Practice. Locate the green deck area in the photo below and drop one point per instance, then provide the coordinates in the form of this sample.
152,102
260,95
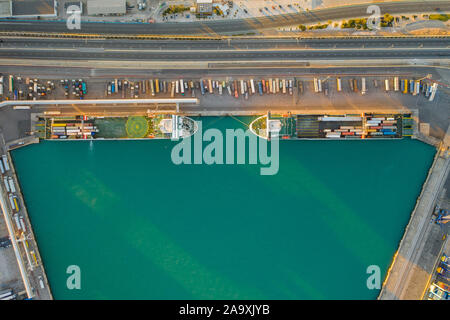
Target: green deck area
111,128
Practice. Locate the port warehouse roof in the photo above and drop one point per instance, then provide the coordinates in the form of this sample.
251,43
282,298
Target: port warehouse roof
106,7
27,8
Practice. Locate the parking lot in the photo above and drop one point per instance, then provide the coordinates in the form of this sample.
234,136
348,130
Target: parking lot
329,99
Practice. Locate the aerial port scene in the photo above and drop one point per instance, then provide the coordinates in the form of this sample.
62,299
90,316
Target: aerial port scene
244,150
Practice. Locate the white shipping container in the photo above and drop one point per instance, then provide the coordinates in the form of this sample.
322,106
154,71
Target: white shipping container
326,118
2,168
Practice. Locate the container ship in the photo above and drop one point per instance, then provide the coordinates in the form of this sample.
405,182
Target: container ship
82,127
322,126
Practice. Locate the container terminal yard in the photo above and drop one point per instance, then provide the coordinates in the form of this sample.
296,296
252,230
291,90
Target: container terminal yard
161,108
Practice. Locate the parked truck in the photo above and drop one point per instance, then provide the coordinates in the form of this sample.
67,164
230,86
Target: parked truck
11,185
338,84
416,87
5,181
5,162
433,91
363,86
182,87
396,84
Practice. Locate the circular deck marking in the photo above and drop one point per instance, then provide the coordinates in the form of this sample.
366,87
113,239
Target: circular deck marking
137,127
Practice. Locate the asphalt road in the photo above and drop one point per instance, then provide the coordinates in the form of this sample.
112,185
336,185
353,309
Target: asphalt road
223,50
232,44
250,25
333,54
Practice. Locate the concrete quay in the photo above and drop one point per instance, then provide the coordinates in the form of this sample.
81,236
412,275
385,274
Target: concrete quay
24,243
413,264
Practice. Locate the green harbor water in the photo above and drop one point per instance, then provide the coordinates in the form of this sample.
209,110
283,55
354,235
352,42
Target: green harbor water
140,227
